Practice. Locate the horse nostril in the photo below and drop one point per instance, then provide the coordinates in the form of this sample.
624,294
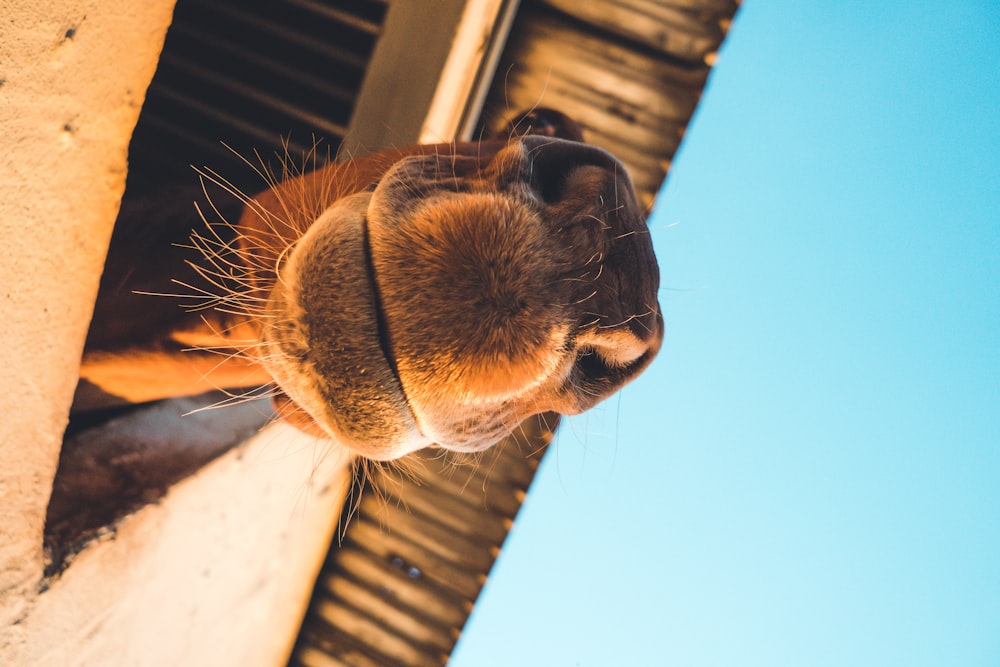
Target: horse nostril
592,365
554,160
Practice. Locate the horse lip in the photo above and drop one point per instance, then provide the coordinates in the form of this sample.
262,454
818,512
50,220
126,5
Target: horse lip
348,384
381,326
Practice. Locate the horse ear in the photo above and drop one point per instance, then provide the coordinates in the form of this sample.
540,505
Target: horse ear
545,122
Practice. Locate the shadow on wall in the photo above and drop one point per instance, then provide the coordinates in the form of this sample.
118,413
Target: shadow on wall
114,462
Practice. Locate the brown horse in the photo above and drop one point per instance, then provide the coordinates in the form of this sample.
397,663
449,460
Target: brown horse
438,294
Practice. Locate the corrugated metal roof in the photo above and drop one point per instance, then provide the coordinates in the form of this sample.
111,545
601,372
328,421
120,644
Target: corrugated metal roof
250,74
415,553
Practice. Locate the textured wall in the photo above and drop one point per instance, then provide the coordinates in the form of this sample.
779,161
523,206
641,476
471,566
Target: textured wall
73,74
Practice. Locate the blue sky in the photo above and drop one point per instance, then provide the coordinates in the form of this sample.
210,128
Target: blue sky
809,474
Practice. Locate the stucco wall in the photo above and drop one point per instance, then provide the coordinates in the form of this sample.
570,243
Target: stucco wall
73,77
220,570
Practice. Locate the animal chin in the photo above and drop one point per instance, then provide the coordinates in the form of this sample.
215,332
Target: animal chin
321,340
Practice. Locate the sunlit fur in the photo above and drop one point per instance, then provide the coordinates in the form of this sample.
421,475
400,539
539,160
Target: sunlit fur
433,295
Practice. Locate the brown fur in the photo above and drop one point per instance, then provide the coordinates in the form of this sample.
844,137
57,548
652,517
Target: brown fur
439,294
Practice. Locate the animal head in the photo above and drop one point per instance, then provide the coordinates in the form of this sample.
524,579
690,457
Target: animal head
445,293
